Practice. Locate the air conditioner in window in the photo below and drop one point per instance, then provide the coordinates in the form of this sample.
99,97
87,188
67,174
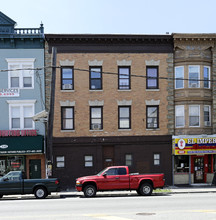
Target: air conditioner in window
67,86
207,123
194,85
96,127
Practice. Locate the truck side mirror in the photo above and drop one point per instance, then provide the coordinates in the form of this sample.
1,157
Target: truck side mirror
105,174
5,179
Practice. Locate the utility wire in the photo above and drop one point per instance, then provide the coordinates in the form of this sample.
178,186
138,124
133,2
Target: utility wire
111,73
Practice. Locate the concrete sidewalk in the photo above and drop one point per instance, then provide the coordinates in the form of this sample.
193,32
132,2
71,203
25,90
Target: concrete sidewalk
167,190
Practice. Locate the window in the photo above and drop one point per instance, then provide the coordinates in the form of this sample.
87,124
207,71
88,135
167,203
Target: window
124,78
152,118
95,78
60,161
67,118
96,122
89,161
152,77
194,116
124,117
179,77
179,116
207,115
206,72
122,171
21,74
21,116
156,159
181,164
112,172
67,78
128,160
194,76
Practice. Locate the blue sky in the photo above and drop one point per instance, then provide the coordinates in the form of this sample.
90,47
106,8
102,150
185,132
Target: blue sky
114,16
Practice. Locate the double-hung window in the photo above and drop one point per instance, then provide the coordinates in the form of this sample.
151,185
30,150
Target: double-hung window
88,161
156,159
128,160
67,118
179,116
96,118
207,115
179,77
95,78
124,78
67,78
194,115
124,117
20,115
206,75
152,77
152,114
194,76
21,73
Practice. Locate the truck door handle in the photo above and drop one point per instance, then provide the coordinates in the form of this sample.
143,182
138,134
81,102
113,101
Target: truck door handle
117,177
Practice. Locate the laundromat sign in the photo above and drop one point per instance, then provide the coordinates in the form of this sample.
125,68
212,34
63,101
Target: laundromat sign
194,146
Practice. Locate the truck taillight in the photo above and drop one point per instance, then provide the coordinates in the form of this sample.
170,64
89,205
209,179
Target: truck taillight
56,182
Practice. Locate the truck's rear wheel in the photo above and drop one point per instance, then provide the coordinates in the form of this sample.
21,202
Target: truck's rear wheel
89,191
145,189
40,192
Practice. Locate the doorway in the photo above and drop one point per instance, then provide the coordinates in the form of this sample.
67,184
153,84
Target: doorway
198,169
108,156
34,169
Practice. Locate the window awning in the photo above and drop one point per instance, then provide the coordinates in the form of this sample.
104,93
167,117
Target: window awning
22,145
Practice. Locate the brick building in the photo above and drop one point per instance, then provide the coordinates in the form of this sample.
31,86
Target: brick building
112,106
194,140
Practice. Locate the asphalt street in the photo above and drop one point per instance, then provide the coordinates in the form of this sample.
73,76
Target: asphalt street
121,206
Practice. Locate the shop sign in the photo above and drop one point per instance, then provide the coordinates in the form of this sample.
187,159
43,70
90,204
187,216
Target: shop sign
194,146
9,92
17,133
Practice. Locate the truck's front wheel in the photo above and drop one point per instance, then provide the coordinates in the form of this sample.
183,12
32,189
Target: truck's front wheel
40,192
89,191
145,189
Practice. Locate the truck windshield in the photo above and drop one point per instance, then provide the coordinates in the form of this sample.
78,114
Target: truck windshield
101,172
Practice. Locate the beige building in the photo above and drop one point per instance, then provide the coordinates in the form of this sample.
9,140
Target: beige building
194,99
111,105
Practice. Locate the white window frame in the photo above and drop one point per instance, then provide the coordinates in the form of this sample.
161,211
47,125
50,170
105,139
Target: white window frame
179,67
88,160
198,85
21,104
60,161
190,115
157,159
183,111
21,63
209,83
207,123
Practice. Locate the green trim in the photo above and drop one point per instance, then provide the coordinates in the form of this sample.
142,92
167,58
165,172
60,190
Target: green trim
21,145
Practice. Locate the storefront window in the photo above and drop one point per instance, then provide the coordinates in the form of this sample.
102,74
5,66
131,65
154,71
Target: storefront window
214,163
182,164
11,163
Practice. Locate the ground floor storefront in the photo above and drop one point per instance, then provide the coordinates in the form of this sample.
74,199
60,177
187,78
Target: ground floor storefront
23,153
75,157
194,159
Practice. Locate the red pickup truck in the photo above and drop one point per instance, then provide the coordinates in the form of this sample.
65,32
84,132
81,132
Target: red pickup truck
118,178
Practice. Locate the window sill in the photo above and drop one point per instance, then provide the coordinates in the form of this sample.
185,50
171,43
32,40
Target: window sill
67,131
95,90
96,130
124,90
121,129
153,90
68,90
152,129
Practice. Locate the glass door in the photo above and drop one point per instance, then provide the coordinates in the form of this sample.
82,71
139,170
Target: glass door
198,169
